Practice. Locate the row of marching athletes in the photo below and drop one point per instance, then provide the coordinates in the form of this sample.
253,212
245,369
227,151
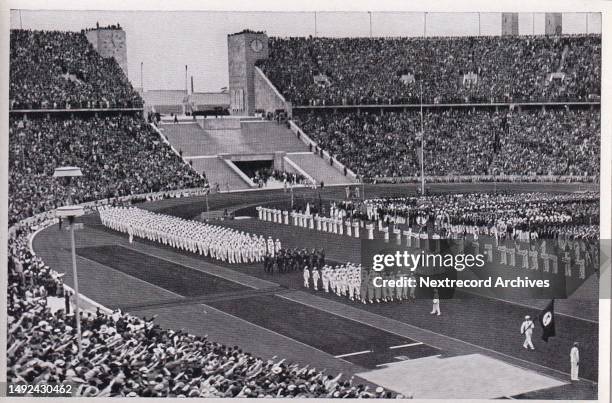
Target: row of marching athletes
352,281
221,243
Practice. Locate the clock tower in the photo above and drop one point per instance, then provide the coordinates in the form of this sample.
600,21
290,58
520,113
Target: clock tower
244,49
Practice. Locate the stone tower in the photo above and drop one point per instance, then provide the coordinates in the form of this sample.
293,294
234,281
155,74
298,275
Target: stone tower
244,49
110,42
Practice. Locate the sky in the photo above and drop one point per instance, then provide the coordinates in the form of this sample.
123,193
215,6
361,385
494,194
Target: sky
166,41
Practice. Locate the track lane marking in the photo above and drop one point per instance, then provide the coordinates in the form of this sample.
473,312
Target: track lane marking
528,363
402,361
276,333
406,345
351,354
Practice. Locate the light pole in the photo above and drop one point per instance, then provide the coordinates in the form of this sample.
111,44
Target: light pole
71,212
141,79
207,207
370,13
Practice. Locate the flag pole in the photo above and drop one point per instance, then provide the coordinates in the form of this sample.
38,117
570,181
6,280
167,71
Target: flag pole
422,145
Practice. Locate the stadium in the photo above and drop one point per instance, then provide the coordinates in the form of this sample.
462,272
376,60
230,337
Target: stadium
219,238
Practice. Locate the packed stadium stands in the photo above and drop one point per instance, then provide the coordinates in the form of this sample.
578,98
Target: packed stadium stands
354,71
117,359
460,142
122,155
61,70
118,155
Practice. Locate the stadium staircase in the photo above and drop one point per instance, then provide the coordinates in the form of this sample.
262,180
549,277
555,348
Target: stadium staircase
218,171
318,168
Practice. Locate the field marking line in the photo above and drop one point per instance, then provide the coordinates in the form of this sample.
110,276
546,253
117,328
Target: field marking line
533,307
405,345
351,354
203,271
276,333
402,361
130,275
357,321
81,295
448,337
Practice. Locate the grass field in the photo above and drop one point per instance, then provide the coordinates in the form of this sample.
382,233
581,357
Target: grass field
274,315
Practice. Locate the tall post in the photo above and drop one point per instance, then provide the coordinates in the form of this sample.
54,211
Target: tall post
77,310
422,145
20,21
315,18
141,79
479,24
207,208
425,24
186,89
370,13
532,23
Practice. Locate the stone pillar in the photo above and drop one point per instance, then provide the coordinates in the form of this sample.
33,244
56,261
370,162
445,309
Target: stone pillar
259,212
286,217
356,229
295,218
398,236
311,221
318,221
340,227
348,229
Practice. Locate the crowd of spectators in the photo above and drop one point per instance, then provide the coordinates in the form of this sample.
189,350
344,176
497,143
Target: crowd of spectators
555,142
352,71
118,155
124,355
61,70
459,142
550,216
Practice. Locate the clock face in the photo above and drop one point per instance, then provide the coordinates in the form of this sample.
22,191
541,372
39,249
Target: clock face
256,45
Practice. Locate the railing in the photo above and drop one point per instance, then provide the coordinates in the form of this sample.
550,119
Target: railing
300,170
451,105
79,110
486,178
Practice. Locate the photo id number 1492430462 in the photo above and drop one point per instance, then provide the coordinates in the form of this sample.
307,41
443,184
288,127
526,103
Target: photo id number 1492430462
40,390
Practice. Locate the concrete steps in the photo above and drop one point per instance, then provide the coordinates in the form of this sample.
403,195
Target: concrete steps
217,171
319,169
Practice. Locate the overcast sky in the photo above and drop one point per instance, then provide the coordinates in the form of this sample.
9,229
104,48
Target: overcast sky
167,41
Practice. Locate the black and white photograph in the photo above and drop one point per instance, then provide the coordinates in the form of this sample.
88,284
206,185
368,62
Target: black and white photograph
347,202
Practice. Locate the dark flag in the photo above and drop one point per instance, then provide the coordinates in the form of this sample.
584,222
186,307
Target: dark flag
547,320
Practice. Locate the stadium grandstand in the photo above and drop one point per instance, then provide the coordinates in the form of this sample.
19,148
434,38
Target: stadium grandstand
320,128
